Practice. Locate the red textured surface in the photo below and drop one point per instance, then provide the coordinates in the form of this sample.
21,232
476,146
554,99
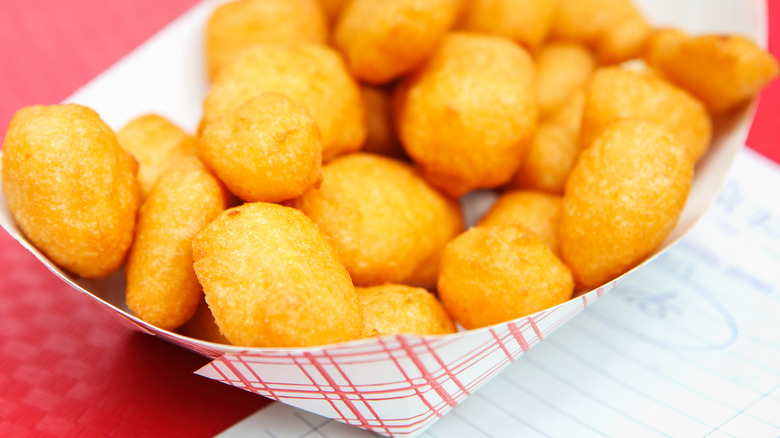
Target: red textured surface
67,367
765,132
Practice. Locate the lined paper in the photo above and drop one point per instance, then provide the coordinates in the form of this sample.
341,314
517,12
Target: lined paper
687,346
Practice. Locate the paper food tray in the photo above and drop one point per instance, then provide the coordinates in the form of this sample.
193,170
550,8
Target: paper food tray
393,385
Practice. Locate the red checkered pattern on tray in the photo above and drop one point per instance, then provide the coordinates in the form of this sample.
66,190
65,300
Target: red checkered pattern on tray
395,386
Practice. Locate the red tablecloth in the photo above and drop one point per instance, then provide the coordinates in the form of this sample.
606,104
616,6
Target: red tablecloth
68,368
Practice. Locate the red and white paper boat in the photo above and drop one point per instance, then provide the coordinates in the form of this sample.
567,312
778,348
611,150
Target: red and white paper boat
394,385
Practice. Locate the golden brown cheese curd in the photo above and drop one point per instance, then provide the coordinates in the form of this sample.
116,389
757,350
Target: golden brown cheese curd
660,43
236,25
332,8
71,188
622,199
467,116
382,40
623,40
554,150
495,274
202,325
569,115
615,93
386,223
154,142
268,150
536,211
525,21
584,20
562,69
723,71
615,29
272,280
381,137
394,309
162,288
311,75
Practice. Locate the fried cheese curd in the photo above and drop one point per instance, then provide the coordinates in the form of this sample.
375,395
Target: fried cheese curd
70,187
332,8
202,326
554,150
268,150
162,288
494,274
466,117
386,223
382,40
623,198
154,142
271,279
615,93
236,25
723,71
381,137
311,75
524,21
623,40
535,211
659,45
562,69
395,308
614,29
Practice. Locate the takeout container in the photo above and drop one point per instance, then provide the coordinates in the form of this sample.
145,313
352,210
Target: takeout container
392,385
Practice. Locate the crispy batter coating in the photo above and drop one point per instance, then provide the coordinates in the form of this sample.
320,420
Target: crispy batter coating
395,308
71,188
624,39
562,69
615,93
494,274
386,223
467,116
202,325
154,142
584,21
272,280
554,150
382,40
536,211
162,288
525,21
622,199
381,137
236,25
723,71
615,29
332,8
312,75
660,43
268,150
569,115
